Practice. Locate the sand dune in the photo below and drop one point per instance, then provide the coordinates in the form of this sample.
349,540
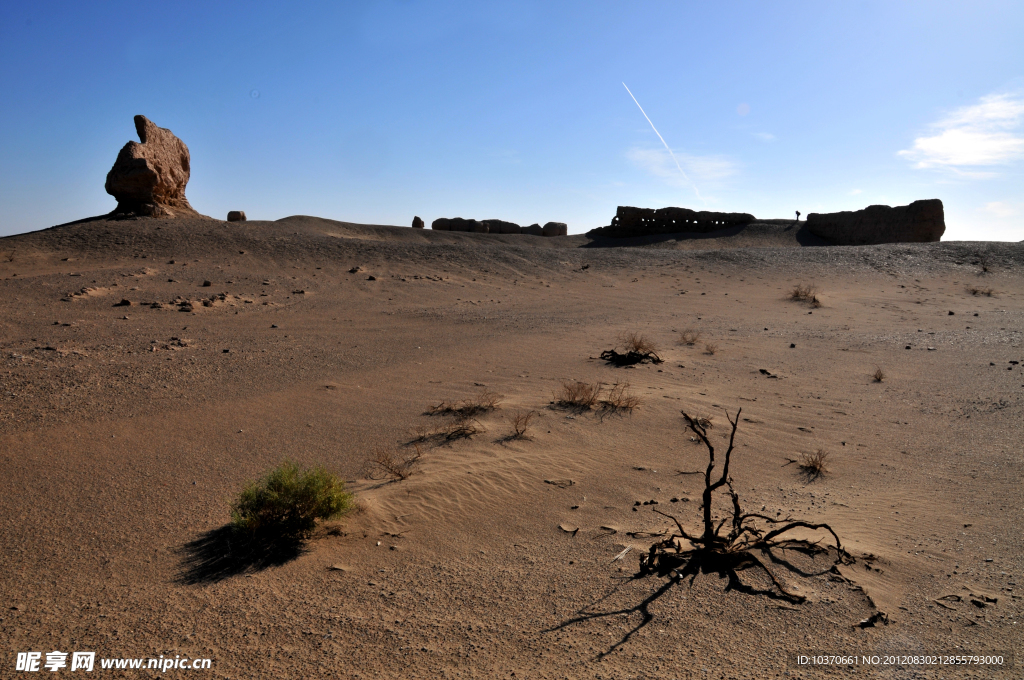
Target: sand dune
126,430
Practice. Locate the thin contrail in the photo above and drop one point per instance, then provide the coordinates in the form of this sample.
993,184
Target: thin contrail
666,145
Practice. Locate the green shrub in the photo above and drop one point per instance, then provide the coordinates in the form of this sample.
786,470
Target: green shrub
288,501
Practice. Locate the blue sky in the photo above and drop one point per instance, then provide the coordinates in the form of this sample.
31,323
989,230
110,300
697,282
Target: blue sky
378,111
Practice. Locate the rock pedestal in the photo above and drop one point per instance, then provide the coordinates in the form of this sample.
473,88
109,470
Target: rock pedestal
149,178
919,222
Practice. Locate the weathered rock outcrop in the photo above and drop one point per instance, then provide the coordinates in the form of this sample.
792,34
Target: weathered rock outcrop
495,226
149,178
236,216
630,221
919,222
417,222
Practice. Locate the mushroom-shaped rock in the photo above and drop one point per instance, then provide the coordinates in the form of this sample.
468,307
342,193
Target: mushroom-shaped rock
149,178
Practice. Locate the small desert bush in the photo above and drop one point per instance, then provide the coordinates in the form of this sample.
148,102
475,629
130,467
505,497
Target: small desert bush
575,394
460,427
386,463
975,290
288,501
484,402
805,293
636,342
879,374
520,421
813,464
620,398
689,337
710,348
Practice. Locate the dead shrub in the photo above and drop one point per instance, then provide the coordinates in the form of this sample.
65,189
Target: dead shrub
620,398
689,337
637,342
710,348
813,464
636,349
484,402
975,290
577,395
384,463
460,427
879,374
520,421
731,544
805,293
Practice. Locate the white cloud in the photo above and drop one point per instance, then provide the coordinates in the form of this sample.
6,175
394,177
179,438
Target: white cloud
765,136
700,169
854,192
1004,210
984,134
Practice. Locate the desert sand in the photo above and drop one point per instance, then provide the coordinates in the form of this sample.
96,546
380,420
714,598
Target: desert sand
126,431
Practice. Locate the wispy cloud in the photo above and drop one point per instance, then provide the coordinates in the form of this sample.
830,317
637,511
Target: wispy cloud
985,134
706,169
765,136
1004,209
854,192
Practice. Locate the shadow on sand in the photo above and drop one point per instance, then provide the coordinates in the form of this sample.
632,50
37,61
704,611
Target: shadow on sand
723,568
221,553
790,228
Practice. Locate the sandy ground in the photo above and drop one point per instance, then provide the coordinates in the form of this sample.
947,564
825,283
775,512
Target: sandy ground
125,431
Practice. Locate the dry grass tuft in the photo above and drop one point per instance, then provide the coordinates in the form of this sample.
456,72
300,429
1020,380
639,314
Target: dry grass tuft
975,290
484,402
879,374
805,293
579,395
383,463
689,337
813,464
460,427
620,398
710,348
520,421
636,342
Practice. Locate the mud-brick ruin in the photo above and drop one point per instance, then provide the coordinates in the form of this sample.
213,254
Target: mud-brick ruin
630,221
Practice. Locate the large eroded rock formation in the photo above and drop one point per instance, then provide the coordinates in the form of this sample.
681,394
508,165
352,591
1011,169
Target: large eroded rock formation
630,221
149,178
919,222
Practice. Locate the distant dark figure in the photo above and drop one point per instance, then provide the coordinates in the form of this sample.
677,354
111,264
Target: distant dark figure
797,215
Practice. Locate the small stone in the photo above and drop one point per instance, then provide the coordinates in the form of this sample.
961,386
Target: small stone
123,303
792,345
951,313
371,277
273,325
207,284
